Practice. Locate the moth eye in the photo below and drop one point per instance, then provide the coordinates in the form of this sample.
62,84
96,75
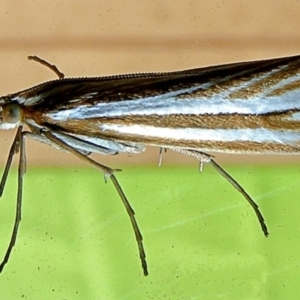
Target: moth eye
11,113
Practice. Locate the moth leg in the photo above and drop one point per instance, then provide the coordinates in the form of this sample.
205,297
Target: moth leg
160,155
108,173
14,149
203,157
18,145
48,65
131,214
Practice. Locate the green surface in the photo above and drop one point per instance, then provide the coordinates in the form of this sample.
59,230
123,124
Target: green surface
202,239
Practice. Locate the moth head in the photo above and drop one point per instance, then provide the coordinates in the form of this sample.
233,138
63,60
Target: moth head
10,115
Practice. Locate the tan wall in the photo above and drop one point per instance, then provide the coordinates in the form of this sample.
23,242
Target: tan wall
86,38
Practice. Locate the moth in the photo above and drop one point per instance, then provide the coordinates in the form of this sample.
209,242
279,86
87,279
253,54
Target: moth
248,107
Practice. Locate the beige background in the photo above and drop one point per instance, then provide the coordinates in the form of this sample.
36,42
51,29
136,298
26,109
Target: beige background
93,38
